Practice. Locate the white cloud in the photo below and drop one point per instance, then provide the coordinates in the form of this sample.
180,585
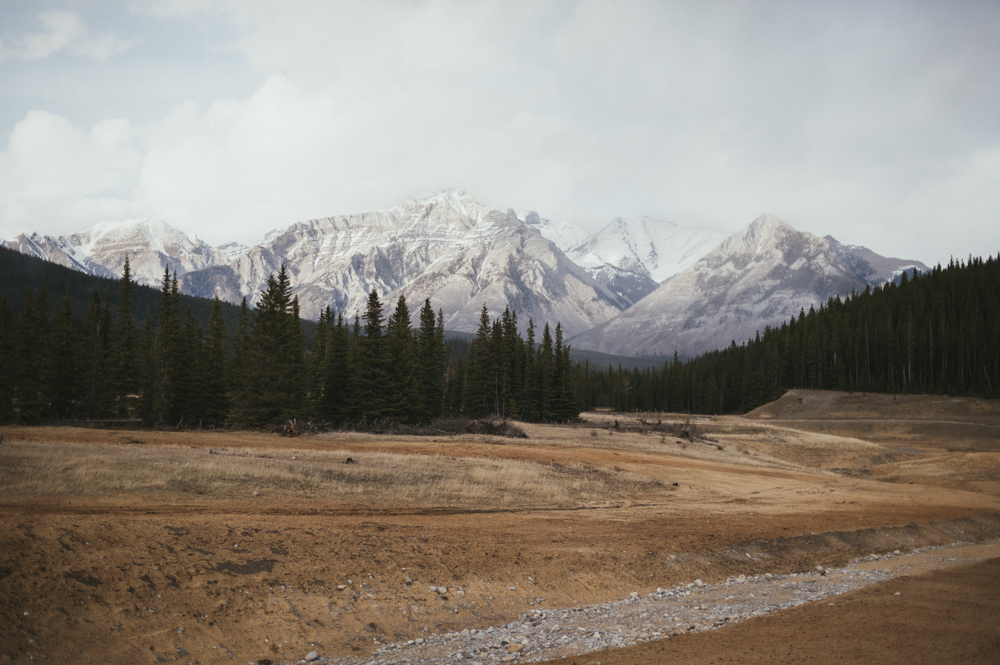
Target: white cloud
61,175
63,31
865,123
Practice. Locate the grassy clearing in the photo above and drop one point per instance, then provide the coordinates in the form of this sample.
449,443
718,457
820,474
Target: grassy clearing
55,469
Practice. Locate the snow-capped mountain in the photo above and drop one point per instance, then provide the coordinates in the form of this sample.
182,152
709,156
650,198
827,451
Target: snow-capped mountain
448,247
760,276
631,257
445,246
151,245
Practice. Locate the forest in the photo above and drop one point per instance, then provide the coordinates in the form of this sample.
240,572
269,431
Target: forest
937,332
174,370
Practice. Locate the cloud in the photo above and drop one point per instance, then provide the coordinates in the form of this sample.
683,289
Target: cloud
868,121
67,32
57,174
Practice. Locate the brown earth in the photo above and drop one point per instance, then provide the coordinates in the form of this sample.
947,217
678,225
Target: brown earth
942,617
111,542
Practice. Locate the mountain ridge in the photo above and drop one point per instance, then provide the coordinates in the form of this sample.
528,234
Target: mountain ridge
760,276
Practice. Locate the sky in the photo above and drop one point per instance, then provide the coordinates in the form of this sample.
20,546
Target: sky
875,122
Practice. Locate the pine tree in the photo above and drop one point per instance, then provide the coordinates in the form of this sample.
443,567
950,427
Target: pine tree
370,375
124,359
564,406
190,396
546,371
336,381
480,375
276,377
430,364
31,354
8,342
240,369
92,357
216,369
530,411
64,370
404,402
168,370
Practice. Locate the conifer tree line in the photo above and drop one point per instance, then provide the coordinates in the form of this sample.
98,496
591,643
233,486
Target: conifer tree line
937,332
177,373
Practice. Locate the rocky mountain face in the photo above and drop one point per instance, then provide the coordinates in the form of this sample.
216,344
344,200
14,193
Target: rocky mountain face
762,275
636,286
446,246
870,267
152,246
631,257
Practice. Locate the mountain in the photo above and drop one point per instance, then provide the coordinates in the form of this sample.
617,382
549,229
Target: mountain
152,245
631,257
444,246
870,267
760,276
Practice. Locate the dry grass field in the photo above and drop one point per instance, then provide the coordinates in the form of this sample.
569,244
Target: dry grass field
147,546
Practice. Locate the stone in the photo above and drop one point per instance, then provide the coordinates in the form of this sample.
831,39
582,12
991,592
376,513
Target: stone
698,583
634,595
896,552
419,640
311,656
514,648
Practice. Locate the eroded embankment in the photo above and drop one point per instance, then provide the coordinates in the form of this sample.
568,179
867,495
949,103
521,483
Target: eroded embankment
128,590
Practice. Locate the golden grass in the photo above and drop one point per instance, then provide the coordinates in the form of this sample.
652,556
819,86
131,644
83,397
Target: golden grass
55,469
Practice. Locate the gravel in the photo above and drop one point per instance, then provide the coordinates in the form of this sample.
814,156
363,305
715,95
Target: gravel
691,607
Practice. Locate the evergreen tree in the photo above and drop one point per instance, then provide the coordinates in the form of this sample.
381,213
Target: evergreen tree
431,367
403,398
241,368
369,371
337,381
31,360
92,356
216,368
480,372
564,406
64,370
124,359
8,344
166,407
276,384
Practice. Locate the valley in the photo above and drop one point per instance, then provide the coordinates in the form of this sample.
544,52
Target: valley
150,546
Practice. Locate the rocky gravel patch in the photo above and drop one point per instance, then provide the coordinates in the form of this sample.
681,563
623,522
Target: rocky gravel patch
691,607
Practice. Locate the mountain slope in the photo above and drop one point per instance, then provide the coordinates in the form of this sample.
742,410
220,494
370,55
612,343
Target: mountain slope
631,257
445,246
762,275
152,245
871,267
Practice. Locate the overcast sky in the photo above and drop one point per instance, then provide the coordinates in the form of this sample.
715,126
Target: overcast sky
875,122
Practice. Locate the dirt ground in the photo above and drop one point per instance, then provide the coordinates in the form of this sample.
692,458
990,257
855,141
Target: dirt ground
947,616
135,547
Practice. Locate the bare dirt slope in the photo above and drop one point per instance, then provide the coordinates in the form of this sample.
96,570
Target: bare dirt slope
133,547
939,618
